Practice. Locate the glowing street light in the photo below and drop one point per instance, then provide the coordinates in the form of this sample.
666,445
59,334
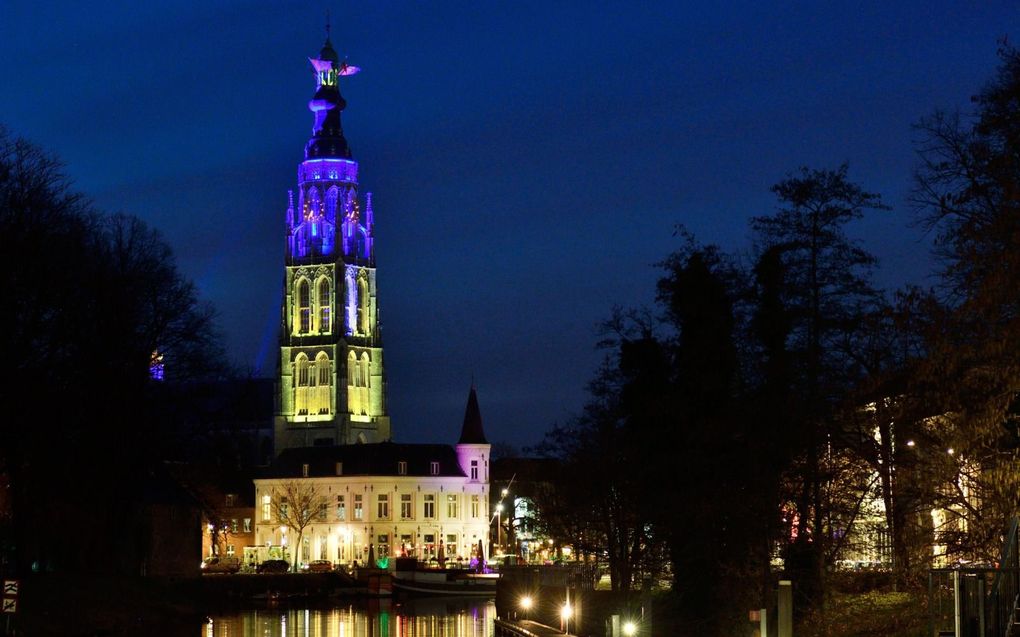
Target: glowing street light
499,527
526,604
565,613
629,629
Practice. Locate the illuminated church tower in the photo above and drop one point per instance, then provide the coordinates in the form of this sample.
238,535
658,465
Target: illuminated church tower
331,383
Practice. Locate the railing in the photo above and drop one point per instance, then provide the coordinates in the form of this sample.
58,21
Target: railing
977,601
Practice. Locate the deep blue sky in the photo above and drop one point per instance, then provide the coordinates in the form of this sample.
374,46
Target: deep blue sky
528,159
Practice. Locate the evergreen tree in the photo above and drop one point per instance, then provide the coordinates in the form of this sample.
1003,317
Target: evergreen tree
825,293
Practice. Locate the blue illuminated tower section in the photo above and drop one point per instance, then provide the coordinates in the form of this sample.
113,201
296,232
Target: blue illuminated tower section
331,386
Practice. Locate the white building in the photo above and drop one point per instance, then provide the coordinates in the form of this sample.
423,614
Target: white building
383,499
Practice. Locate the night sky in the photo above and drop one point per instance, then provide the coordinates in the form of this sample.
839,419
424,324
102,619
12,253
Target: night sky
528,160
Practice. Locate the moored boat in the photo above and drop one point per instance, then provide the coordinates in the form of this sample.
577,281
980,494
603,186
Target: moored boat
409,576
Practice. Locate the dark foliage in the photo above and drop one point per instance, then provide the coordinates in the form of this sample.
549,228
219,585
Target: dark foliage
88,298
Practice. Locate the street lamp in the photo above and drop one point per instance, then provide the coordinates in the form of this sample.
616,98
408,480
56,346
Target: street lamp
526,603
499,527
629,629
565,614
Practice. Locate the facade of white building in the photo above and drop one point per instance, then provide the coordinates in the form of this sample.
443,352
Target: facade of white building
374,501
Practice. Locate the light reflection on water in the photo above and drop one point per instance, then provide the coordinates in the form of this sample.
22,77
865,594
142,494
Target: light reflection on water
426,617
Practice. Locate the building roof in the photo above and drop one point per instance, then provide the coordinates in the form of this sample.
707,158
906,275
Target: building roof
471,433
379,459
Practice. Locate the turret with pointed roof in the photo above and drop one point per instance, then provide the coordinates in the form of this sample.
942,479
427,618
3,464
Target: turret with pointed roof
472,433
472,448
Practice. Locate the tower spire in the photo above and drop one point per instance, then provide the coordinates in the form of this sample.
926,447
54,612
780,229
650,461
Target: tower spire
471,433
327,103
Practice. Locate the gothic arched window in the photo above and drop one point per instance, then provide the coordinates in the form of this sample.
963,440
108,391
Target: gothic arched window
304,306
314,202
324,304
365,364
322,394
301,383
355,394
363,372
331,198
352,364
363,309
361,243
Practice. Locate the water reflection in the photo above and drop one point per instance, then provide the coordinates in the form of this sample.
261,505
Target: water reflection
426,617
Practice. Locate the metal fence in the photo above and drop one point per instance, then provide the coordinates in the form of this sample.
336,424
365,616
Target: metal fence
977,601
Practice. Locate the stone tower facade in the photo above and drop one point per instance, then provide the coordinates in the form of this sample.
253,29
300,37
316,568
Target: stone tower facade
331,385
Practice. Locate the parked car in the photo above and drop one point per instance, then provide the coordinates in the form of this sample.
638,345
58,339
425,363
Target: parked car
217,564
273,566
319,566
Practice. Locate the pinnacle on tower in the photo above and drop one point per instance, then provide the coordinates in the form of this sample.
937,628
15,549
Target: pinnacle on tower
327,103
471,433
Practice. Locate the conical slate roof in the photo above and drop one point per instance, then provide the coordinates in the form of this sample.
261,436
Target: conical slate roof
472,433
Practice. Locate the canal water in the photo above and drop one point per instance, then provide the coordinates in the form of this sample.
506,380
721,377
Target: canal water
424,617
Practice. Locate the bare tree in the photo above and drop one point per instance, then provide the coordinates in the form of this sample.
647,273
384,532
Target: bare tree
297,503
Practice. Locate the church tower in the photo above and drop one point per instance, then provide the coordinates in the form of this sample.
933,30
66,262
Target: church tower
331,386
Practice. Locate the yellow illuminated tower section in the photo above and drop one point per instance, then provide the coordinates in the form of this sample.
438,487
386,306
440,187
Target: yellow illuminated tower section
331,386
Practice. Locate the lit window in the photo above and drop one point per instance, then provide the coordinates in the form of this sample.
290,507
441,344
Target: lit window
406,507
434,468
247,525
365,364
474,469
266,508
359,513
475,506
324,305
383,506
301,383
451,506
304,307
233,526
284,509
322,394
430,506
341,508
363,310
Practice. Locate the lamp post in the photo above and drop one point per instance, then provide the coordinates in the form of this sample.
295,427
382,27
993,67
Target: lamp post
565,614
499,527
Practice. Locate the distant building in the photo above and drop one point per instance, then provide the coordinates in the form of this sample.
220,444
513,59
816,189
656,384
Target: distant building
227,506
520,484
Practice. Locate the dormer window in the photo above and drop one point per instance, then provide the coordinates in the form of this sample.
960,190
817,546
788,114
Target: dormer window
434,468
231,499
339,468
402,468
304,470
